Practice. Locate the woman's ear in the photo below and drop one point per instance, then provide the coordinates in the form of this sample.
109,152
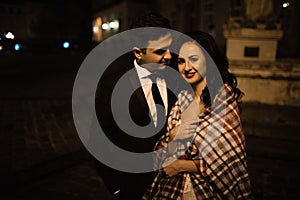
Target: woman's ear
137,53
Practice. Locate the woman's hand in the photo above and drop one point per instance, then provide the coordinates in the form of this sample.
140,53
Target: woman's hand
173,132
172,167
185,130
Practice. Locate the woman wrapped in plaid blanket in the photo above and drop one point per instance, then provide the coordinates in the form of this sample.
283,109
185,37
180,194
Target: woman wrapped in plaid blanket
203,155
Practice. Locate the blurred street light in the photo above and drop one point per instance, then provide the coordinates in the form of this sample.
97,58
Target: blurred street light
66,45
95,29
111,25
105,26
286,4
18,47
114,24
9,35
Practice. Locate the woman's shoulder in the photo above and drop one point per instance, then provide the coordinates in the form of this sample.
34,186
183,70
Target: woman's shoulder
225,91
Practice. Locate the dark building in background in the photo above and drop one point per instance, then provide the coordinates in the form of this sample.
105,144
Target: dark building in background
211,15
43,22
19,18
43,25
191,15
111,17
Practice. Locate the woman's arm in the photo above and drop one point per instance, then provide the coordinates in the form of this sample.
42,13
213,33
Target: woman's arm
180,166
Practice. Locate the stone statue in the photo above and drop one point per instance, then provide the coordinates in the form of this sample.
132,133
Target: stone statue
259,10
258,14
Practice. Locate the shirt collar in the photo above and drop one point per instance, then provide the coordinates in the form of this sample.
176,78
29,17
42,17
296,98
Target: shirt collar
141,71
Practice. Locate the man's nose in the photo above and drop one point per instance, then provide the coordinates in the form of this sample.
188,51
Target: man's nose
167,55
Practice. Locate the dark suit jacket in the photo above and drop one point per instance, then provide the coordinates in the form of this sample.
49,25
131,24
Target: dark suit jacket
132,185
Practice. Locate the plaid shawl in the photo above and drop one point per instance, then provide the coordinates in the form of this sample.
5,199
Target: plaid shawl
217,149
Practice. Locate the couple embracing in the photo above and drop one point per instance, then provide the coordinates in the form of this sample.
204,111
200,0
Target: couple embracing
197,143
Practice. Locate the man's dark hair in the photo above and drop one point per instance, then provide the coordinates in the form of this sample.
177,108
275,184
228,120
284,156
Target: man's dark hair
151,19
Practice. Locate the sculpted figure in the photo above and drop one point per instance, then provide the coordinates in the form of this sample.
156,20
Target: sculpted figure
258,10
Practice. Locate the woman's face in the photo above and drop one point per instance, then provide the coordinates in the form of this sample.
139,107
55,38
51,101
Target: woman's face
191,63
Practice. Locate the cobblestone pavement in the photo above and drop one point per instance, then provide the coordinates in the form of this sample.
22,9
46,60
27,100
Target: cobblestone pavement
272,135
42,156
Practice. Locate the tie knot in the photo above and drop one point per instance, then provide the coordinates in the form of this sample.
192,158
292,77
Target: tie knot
153,77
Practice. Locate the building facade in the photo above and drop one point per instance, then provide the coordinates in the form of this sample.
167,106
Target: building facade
207,15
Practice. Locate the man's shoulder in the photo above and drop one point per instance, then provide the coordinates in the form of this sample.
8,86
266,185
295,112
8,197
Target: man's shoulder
120,66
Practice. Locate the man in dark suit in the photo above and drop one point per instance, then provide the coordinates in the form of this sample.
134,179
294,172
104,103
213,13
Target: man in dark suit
145,63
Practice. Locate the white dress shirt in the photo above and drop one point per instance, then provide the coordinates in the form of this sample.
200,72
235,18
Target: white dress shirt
146,84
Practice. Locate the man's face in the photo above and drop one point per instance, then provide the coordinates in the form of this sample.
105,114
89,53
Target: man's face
156,55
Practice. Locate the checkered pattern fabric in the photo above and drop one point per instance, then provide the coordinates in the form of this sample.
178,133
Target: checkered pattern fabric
218,150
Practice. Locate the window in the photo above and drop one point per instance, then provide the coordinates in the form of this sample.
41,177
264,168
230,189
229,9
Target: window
251,52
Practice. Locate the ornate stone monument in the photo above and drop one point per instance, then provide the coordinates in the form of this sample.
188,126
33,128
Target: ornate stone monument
251,49
254,38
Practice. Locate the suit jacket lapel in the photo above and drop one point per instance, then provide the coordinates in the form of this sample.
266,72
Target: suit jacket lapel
135,83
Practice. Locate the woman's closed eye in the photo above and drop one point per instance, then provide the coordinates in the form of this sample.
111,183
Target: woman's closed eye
181,61
193,58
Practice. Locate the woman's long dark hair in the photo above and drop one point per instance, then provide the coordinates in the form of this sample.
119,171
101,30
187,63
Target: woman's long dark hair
209,44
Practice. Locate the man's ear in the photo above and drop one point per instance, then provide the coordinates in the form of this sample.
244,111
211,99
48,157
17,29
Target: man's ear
137,53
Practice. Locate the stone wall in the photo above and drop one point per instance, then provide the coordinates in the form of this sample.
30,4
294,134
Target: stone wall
273,83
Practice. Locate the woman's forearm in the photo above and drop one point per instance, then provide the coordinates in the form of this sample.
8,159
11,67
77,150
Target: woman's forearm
181,166
187,166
